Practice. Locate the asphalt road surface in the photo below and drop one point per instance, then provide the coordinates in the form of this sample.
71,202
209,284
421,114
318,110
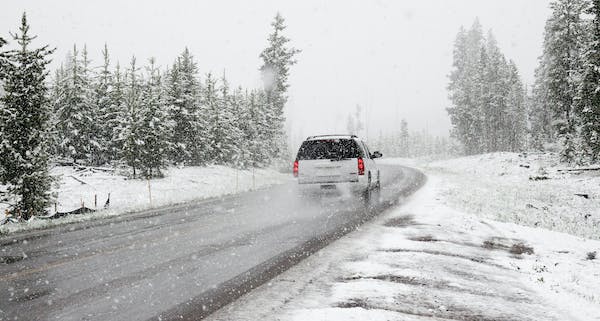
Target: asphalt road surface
180,262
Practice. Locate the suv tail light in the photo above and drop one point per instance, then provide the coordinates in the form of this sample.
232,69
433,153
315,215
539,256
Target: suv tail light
296,168
361,166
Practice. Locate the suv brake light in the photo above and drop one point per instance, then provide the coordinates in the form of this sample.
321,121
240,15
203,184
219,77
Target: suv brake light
296,168
361,166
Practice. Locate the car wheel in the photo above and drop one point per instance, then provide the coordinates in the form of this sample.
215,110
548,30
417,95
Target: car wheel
368,190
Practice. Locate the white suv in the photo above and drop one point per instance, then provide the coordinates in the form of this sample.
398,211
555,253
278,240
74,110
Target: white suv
334,160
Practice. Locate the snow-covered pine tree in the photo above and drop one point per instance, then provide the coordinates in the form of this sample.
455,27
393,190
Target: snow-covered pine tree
476,88
257,129
195,139
457,94
183,100
24,126
55,99
130,134
493,106
91,125
539,112
516,113
466,88
249,128
75,114
266,132
153,127
63,109
114,117
225,132
277,59
589,89
563,42
177,115
240,123
105,116
483,94
215,123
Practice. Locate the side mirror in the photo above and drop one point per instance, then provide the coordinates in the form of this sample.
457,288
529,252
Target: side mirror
376,154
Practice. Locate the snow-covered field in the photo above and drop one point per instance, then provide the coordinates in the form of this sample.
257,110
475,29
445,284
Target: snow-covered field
503,186
436,258
92,188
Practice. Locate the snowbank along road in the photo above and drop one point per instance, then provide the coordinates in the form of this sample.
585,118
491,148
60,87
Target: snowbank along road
181,262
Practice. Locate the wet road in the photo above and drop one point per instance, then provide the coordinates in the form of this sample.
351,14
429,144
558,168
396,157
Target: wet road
180,262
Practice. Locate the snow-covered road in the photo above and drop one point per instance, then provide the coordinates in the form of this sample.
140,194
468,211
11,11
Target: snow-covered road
427,261
183,261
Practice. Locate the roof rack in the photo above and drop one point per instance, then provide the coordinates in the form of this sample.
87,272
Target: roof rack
316,136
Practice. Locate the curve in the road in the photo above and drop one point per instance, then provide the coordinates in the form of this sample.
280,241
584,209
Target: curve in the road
402,185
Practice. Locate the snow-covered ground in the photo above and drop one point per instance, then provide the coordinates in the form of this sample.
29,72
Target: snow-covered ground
435,258
92,188
510,187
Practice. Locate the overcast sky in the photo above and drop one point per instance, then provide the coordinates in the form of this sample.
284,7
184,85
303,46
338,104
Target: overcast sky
391,57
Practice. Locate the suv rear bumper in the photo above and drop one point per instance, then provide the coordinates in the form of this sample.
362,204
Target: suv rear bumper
340,187
326,180
355,183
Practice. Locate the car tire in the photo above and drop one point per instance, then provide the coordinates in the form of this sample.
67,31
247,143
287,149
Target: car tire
371,195
367,192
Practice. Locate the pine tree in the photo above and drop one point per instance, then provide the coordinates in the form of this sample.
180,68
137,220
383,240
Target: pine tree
215,130
90,129
467,89
457,95
494,104
75,115
56,98
277,59
257,138
130,129
183,98
476,88
177,115
153,128
24,125
516,113
105,116
240,121
589,89
540,113
114,117
228,130
563,39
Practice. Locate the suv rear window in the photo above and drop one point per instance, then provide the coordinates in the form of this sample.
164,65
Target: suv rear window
329,149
